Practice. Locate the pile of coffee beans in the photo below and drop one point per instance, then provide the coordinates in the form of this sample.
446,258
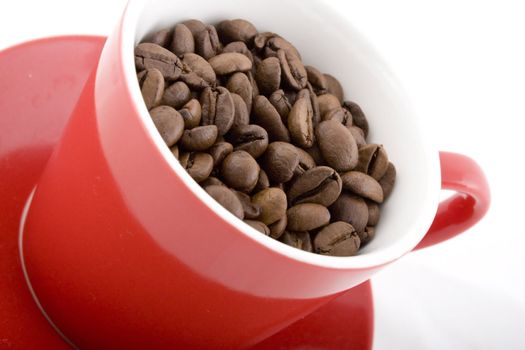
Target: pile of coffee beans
270,139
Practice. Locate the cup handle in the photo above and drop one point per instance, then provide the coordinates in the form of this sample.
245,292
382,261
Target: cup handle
465,208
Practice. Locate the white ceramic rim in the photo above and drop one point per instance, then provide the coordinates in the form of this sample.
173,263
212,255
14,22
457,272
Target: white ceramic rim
370,259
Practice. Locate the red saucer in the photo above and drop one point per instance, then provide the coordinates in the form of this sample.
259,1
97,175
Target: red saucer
41,81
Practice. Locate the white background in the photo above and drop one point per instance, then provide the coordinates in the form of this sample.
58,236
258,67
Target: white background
463,63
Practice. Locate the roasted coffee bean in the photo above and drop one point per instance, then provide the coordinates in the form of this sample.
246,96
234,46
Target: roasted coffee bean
306,162
240,171
363,185
314,101
162,37
250,138
199,138
268,75
195,26
327,102
265,115
337,145
191,113
262,182
334,87
219,151
337,239
299,240
240,47
259,226
367,235
279,100
373,213
321,185
169,123
316,155
358,116
293,70
236,30
373,161
251,210
175,151
358,135
197,72
176,95
270,43
300,123
211,180
183,41
241,115
280,161
217,108
225,197
255,88
272,202
207,42
230,62
307,216
148,55
239,84
152,87
342,115
351,209
317,79
278,227
198,164
388,180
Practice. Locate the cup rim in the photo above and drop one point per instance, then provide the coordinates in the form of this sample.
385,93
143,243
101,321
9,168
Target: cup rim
127,31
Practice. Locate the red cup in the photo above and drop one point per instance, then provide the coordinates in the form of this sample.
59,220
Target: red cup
122,249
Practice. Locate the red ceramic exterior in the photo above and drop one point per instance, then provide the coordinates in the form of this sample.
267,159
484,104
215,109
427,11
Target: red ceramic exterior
122,254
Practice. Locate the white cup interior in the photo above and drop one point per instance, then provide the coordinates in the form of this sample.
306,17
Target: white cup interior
328,41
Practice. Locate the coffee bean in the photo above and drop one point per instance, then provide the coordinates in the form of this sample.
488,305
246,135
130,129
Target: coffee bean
175,151
293,71
342,115
240,47
217,108
197,72
316,155
240,171
337,145
191,113
176,95
162,37
152,87
255,88
279,100
367,235
299,240
280,161
358,135
241,115
266,115
337,239
314,101
182,40
373,161
250,138
373,213
317,79
321,185
239,84
334,87
358,116
363,185
227,199
272,202
259,226
230,62
251,210
199,138
268,75
211,180
300,123
262,182
271,43
327,102
207,42
195,26
351,209
198,164
307,216
278,227
236,30
388,180
219,151
306,162
148,55
169,123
